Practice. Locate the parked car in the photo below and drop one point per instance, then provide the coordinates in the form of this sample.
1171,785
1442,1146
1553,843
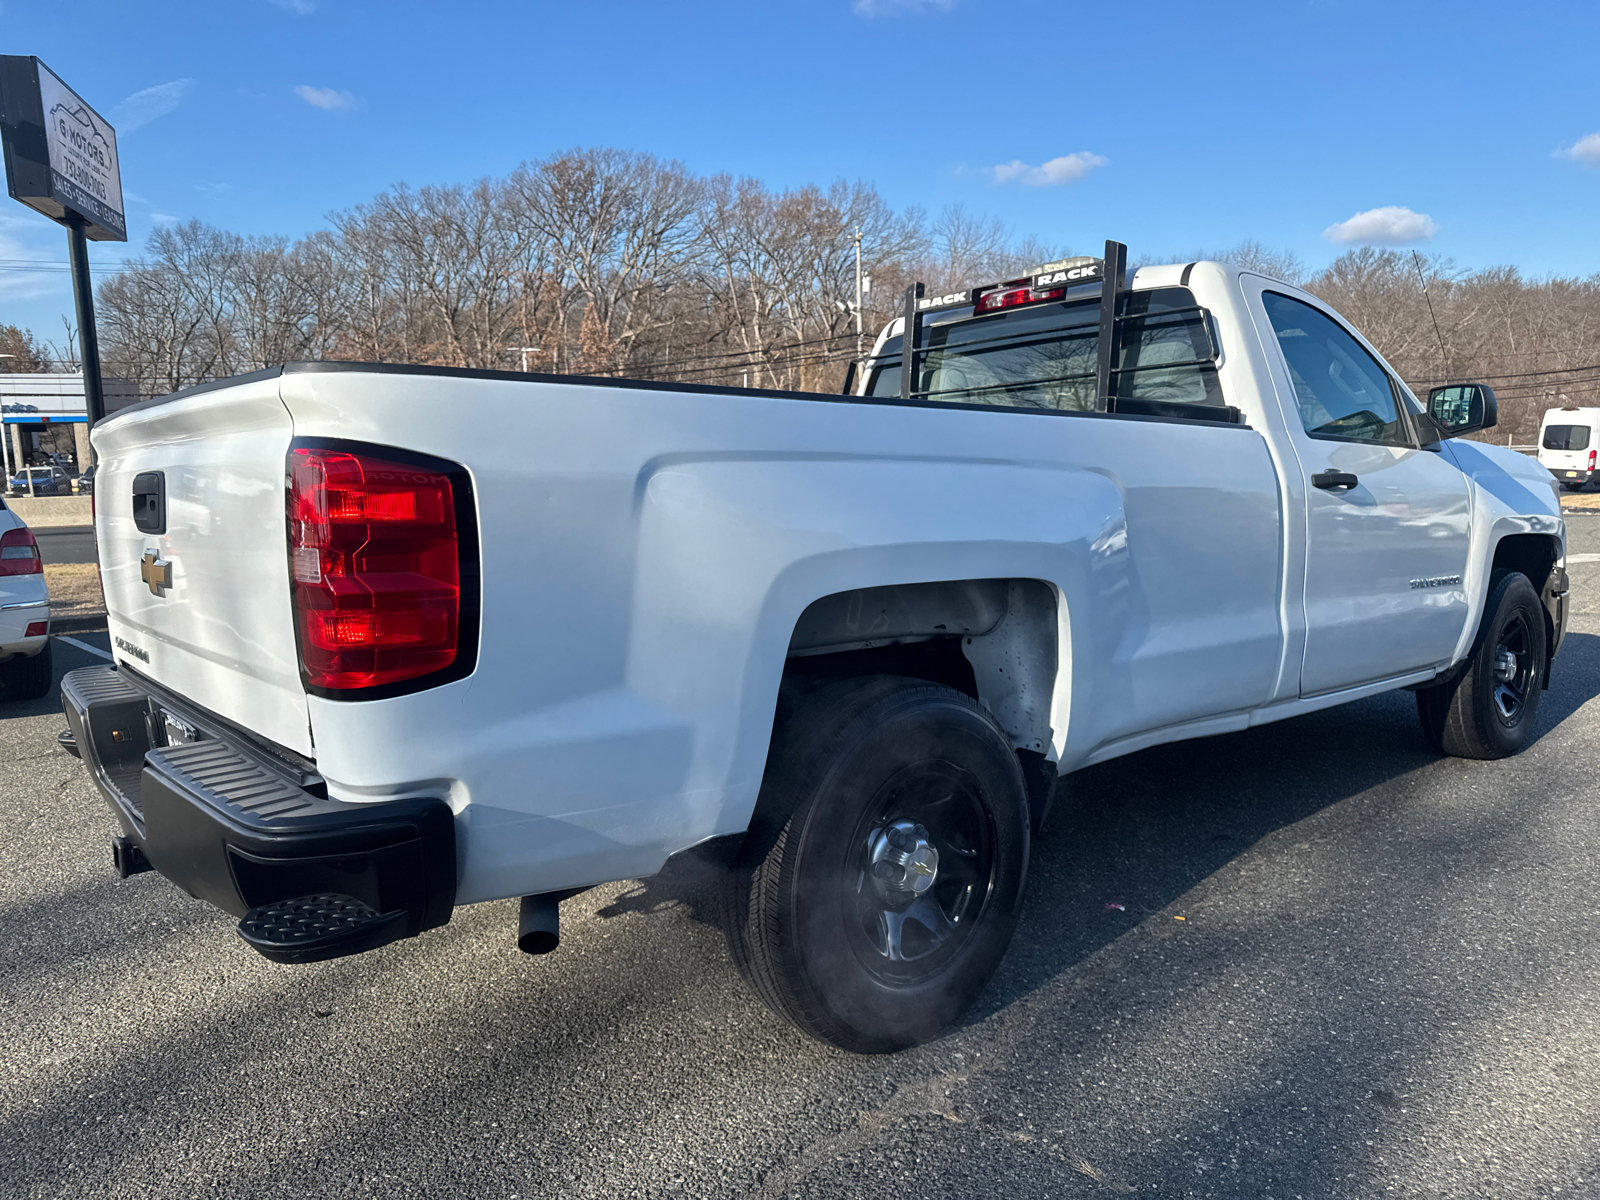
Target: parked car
370,665
47,481
86,481
1568,441
26,670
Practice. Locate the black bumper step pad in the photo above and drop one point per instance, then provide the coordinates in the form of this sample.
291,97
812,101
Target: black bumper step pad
226,779
313,928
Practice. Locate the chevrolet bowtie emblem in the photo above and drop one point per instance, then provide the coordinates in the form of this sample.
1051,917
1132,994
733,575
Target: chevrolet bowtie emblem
156,571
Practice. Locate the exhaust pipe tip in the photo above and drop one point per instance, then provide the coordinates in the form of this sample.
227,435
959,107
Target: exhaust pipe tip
539,929
539,926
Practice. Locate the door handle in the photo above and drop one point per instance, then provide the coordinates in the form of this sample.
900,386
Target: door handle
1340,480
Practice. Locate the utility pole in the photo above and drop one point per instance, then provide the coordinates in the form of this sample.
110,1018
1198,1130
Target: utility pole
525,350
858,293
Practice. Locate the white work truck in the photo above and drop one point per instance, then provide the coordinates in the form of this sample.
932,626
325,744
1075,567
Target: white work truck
392,639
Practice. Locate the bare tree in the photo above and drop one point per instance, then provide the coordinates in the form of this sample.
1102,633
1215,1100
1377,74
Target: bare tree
19,353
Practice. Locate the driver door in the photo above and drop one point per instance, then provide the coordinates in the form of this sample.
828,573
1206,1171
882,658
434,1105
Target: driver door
1387,521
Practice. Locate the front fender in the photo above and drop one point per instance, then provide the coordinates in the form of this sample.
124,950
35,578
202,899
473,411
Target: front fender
1511,494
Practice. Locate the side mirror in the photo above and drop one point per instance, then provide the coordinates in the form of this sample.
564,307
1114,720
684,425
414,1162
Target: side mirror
1462,408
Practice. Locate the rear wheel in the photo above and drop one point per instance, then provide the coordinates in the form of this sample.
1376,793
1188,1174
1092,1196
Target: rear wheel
1573,487
1489,710
27,678
884,873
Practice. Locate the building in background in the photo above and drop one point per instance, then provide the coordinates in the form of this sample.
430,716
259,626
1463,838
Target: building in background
46,420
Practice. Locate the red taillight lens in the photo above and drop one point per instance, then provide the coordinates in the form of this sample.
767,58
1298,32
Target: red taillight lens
376,568
1591,460
19,553
36,629
1011,297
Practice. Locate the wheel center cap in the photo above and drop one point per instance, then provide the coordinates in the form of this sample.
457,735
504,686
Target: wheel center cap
1505,665
904,863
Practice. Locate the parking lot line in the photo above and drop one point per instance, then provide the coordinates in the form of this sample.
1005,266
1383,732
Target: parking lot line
72,641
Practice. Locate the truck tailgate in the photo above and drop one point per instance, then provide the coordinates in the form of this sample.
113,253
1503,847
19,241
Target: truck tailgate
199,601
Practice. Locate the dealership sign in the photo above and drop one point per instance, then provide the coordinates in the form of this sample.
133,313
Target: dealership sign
61,155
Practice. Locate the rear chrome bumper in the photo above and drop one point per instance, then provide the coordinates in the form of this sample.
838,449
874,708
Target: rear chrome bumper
15,617
254,832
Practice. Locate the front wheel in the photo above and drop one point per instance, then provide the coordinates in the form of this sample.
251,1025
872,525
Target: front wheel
884,872
1489,710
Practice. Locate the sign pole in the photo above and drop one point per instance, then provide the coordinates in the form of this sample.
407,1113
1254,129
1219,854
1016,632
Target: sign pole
88,341
61,161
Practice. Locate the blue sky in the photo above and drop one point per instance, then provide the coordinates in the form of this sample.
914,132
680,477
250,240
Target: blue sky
1458,128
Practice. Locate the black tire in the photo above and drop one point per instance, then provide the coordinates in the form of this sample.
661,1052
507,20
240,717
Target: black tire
1574,487
1489,711
27,678
834,918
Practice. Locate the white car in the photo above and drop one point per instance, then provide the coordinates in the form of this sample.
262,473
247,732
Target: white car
25,661
389,639
1569,439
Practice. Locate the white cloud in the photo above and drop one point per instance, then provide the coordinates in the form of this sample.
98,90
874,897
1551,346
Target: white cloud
164,218
325,97
143,107
1585,150
1069,168
893,8
1388,226
300,8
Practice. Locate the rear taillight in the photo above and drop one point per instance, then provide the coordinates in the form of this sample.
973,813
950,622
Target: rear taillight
36,629
1591,460
19,553
376,566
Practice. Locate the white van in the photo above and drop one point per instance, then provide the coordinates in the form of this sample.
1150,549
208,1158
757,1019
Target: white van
1568,441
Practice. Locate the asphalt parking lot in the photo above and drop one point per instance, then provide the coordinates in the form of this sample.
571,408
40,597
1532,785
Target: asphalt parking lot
1310,960
65,543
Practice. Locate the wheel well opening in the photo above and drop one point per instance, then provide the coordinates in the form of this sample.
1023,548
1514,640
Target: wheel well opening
936,659
994,640
1532,554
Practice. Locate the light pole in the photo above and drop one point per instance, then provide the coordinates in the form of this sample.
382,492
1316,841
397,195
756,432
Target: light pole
5,446
525,350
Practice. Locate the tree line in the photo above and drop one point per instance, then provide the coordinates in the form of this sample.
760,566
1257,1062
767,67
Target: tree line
597,262
609,262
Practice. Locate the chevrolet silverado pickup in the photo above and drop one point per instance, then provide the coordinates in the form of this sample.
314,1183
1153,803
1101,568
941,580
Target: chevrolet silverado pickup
392,639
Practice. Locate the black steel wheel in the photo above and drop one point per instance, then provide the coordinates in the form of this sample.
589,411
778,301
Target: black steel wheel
1489,710
883,876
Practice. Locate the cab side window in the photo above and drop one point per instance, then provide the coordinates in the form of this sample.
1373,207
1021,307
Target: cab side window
1341,391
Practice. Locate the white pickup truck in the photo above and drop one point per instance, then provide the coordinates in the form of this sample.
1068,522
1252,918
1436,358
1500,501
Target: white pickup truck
392,639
